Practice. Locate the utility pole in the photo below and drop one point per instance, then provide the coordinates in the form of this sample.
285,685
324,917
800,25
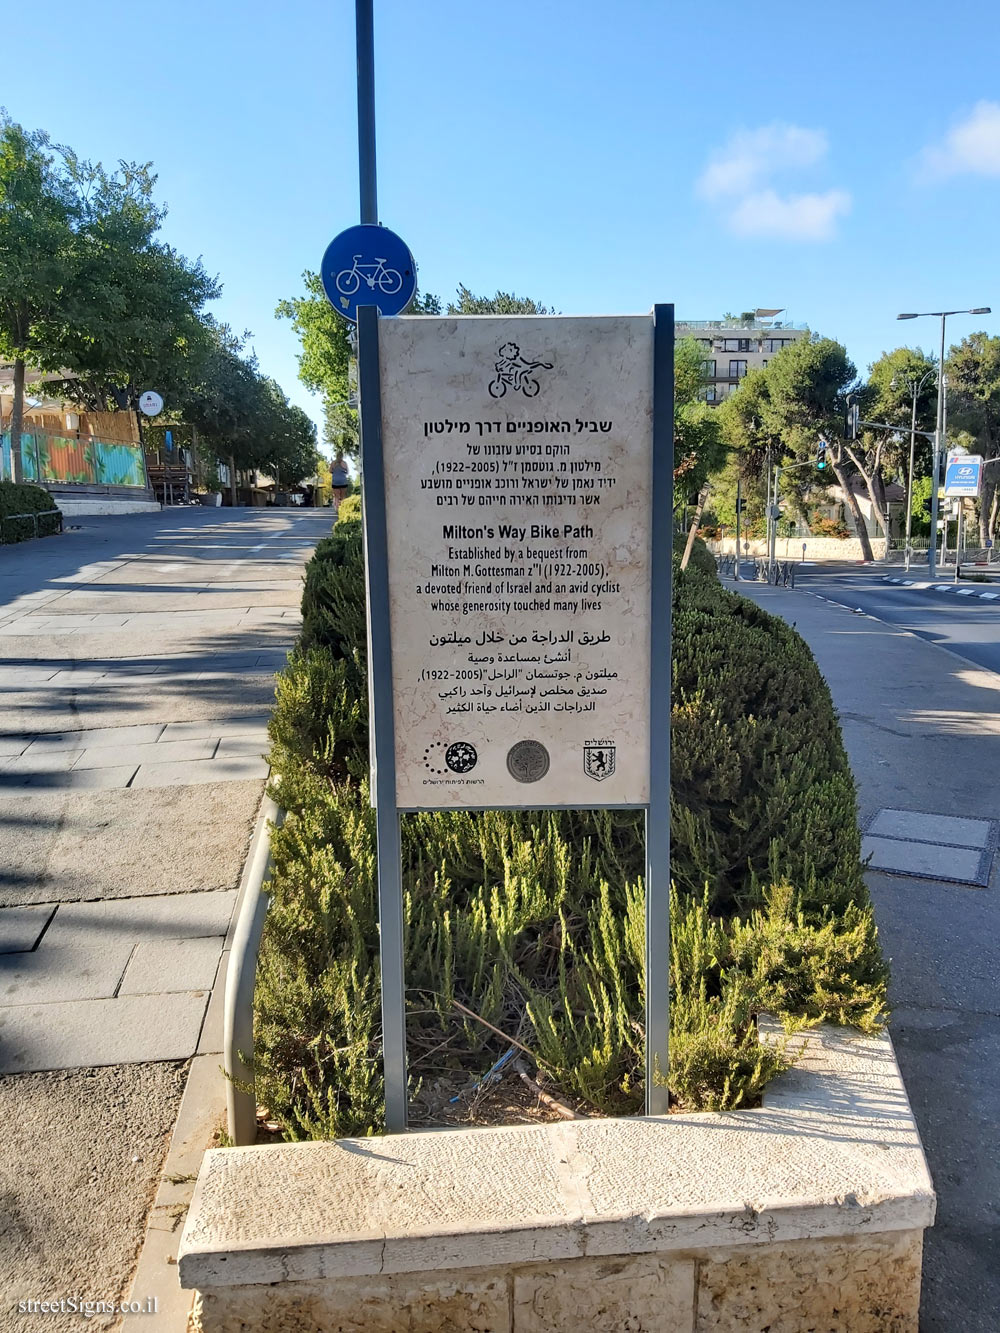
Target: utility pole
939,437
739,503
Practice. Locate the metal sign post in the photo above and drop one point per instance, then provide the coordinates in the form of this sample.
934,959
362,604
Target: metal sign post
366,271
658,813
383,745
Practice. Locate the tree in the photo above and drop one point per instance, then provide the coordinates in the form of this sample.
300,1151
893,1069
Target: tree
36,237
131,317
503,303
244,417
973,369
781,411
284,443
880,455
325,360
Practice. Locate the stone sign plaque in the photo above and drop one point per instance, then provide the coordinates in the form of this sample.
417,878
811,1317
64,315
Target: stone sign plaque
518,466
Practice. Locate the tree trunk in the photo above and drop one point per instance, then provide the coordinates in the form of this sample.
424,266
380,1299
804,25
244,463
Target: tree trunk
987,507
232,481
991,531
696,523
855,508
17,421
879,506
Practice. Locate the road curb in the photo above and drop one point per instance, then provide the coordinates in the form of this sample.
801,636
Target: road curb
956,588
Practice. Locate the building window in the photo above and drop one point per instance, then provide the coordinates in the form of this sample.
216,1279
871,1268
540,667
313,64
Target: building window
708,394
708,369
737,369
775,344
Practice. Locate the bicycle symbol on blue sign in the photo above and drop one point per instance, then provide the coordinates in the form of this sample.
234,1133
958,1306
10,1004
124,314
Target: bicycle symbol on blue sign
368,265
348,280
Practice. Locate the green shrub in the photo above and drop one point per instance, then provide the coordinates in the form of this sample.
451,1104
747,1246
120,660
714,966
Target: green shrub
760,783
25,498
349,509
534,920
701,559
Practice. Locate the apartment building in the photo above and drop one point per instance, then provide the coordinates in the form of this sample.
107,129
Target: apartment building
734,346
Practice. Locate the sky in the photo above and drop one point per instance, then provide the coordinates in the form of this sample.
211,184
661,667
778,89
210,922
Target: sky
839,161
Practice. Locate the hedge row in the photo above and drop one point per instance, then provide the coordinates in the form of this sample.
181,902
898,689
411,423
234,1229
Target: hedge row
535,920
24,498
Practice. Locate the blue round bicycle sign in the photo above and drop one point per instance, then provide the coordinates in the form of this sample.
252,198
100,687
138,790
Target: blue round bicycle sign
368,265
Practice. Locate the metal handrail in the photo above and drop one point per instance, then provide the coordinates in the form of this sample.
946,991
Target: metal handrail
241,978
41,513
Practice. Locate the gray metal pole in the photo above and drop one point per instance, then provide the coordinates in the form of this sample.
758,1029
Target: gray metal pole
772,554
736,567
658,812
909,486
383,750
936,465
365,30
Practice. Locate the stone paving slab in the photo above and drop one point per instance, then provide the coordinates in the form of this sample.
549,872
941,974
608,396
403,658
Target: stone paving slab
131,1029
63,969
924,827
160,967
86,779
231,728
13,745
163,752
166,916
237,768
41,761
91,738
925,859
248,744
20,927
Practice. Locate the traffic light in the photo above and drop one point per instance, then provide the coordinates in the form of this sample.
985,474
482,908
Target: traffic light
741,504
851,419
821,455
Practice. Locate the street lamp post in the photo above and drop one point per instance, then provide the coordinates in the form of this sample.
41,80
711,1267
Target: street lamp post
939,429
914,386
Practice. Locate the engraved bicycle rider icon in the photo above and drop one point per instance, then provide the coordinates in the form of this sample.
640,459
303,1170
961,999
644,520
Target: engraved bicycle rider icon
348,280
512,372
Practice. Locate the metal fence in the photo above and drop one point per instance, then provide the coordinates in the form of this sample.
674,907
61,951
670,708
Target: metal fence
781,574
44,523
59,458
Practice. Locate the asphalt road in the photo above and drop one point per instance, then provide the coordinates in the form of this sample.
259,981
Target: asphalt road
968,626
922,730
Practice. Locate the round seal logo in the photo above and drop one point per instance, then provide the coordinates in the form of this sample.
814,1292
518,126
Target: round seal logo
528,761
461,757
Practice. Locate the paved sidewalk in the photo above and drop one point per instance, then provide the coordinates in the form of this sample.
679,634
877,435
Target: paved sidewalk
922,728
137,660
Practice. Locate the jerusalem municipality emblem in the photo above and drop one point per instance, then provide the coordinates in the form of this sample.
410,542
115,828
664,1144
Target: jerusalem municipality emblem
598,761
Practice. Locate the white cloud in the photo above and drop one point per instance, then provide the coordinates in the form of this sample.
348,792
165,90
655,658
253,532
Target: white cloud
739,179
752,157
794,217
972,147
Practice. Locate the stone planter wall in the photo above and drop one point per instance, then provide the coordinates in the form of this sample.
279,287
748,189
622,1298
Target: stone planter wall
806,1213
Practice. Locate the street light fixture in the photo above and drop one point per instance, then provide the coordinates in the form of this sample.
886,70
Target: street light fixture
939,427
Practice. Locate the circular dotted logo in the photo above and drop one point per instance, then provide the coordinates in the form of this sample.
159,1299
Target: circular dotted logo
528,761
461,757
458,758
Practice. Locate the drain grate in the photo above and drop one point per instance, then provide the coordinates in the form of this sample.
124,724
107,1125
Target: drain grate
916,843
